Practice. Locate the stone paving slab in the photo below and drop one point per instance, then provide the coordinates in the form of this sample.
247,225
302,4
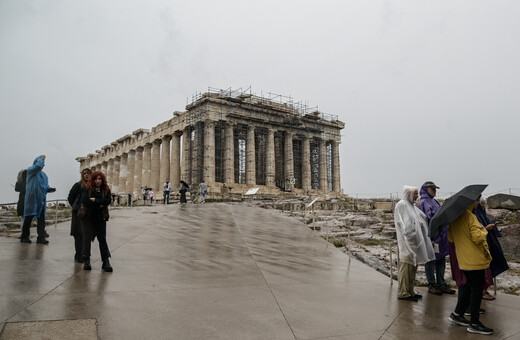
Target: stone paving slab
218,271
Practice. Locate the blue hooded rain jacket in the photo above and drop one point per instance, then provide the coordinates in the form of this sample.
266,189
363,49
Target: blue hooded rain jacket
36,188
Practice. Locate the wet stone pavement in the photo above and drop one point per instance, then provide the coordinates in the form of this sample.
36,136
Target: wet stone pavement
215,271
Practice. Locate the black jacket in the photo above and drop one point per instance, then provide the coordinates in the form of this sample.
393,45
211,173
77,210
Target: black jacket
20,187
94,212
74,197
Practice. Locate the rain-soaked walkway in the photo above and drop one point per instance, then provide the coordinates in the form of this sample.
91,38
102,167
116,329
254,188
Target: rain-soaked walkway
215,272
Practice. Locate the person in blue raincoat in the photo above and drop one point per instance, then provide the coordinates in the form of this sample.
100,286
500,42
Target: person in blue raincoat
435,269
498,263
36,189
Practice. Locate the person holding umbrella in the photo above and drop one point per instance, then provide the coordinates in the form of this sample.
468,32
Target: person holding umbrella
415,246
435,269
474,257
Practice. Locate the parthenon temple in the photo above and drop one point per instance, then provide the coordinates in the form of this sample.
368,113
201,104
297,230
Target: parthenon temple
233,140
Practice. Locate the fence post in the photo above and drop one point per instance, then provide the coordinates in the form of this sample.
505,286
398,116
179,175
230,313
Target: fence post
391,271
56,215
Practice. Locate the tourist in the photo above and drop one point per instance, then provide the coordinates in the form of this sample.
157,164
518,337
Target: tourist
203,191
473,258
167,187
20,187
96,199
184,188
498,263
144,191
415,246
150,195
35,203
435,269
74,199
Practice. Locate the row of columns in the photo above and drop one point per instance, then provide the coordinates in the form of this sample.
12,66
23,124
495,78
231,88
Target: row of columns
150,165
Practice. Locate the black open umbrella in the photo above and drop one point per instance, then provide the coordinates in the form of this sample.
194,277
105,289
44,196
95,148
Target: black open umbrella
454,206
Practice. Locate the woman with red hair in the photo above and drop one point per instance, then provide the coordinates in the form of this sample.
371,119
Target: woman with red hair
97,199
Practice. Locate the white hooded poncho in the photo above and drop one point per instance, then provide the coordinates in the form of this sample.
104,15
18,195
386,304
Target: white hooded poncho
415,247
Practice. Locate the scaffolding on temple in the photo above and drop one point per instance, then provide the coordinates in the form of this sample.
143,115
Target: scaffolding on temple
199,112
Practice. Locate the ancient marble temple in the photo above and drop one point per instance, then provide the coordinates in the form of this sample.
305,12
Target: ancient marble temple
233,140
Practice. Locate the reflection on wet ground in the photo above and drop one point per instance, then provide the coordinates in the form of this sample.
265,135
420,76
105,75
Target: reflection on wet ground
221,271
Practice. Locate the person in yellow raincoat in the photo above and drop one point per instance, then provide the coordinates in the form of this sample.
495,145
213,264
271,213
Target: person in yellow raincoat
473,255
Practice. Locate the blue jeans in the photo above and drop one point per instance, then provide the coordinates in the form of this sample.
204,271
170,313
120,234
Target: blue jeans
435,272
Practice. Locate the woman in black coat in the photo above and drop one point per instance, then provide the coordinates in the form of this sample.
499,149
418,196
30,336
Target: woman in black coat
97,199
74,199
184,188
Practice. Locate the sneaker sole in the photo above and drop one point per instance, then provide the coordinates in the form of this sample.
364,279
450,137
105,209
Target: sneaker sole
458,322
476,331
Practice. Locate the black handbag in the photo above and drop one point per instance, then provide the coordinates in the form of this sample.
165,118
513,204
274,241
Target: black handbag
82,211
105,213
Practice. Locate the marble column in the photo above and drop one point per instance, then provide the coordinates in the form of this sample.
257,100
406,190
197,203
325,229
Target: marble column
115,178
147,165
336,185
186,155
104,168
289,160
209,152
175,160
323,166
306,163
270,166
138,170
130,174
123,172
229,155
250,156
164,173
156,163
110,173
196,153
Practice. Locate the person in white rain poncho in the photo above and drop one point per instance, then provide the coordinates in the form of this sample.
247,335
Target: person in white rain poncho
415,247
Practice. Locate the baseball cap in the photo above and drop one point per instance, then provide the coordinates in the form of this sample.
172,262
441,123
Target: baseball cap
430,184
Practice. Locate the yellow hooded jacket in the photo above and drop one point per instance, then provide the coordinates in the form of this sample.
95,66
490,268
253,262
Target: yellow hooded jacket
470,242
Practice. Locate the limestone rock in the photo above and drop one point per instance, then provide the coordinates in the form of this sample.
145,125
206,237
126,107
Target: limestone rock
504,201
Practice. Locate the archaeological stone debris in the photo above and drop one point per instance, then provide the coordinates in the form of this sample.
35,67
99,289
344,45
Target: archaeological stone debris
235,141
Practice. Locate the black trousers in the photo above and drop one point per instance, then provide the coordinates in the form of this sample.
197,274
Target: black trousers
96,229
77,233
471,294
40,226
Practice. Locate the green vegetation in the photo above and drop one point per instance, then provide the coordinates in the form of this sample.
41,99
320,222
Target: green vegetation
338,243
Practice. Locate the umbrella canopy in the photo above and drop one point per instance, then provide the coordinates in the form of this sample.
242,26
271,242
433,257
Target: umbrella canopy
454,206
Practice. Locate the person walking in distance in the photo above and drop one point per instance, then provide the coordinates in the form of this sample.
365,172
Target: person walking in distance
167,187
203,191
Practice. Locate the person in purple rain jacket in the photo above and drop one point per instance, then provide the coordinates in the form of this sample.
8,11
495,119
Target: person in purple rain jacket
435,269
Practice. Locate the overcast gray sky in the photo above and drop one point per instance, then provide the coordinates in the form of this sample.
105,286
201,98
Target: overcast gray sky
427,89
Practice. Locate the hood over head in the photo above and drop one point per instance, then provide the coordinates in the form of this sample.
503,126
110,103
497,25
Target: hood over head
408,192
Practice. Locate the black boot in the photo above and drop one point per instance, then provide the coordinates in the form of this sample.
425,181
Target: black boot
41,240
86,264
106,266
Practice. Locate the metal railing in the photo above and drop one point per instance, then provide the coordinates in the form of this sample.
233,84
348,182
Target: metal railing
49,208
